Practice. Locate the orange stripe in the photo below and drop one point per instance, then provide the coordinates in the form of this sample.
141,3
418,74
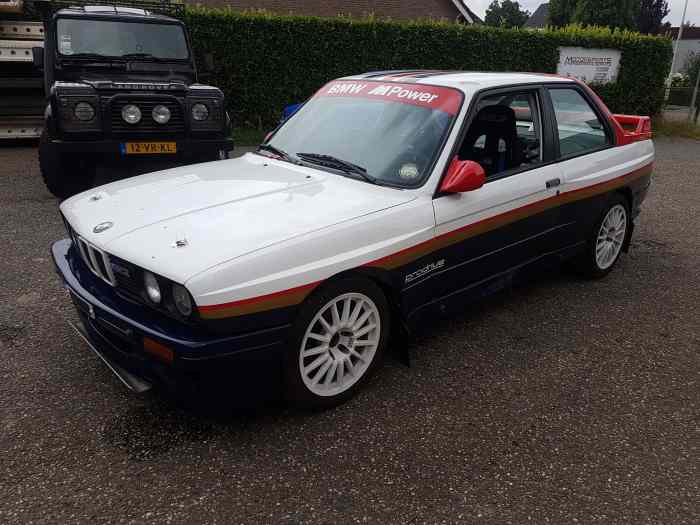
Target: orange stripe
294,296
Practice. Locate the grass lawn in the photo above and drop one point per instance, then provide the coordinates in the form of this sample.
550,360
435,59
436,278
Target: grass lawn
675,128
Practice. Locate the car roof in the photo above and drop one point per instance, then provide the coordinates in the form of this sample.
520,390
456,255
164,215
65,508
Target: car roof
95,11
468,81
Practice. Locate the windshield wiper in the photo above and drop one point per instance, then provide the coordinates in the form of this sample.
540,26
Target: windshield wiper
147,56
340,164
278,152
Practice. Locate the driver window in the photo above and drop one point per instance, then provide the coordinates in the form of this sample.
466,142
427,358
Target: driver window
505,134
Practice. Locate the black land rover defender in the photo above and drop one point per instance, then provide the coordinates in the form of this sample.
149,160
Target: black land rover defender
122,89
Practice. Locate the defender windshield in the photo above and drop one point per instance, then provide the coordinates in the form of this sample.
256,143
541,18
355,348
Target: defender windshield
393,131
115,39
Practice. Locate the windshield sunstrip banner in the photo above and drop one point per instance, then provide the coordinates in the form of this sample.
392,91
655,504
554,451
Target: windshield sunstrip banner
434,97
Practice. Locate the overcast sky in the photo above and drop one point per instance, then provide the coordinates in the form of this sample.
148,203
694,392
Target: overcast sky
479,7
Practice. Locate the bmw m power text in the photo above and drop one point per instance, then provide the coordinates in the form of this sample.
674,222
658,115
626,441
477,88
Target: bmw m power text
385,199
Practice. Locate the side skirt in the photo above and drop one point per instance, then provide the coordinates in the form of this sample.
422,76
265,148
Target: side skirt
476,291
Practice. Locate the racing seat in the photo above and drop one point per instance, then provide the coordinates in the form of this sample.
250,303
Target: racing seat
500,150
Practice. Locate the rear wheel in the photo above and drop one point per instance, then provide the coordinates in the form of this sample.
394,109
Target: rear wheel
607,239
64,175
338,341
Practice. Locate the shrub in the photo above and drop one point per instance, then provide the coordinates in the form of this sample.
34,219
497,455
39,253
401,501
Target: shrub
264,62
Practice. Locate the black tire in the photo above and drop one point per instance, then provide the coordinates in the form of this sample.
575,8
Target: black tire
587,263
296,391
63,175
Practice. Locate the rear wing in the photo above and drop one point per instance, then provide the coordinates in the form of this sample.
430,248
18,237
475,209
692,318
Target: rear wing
635,128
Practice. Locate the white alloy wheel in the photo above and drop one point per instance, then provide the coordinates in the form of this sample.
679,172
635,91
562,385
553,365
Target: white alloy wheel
339,344
611,237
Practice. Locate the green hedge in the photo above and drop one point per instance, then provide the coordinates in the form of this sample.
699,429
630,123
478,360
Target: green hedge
264,62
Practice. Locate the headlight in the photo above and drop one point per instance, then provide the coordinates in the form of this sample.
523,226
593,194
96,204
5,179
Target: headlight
152,287
200,112
161,114
131,114
181,298
84,111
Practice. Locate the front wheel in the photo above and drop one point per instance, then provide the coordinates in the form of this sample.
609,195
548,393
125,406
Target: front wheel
607,239
337,343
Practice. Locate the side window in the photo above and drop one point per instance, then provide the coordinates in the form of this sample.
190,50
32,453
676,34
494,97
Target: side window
505,134
580,129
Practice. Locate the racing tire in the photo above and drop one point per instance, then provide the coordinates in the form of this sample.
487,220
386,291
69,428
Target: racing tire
63,175
336,344
607,240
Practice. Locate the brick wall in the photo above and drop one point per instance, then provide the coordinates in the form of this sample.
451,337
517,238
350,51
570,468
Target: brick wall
397,9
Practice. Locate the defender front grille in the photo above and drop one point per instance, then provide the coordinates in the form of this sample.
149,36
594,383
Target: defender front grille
148,126
96,260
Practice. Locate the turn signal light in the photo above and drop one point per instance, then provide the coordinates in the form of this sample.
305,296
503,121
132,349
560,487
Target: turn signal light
158,350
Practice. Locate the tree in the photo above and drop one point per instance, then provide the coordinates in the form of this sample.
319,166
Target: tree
612,13
650,16
561,12
505,14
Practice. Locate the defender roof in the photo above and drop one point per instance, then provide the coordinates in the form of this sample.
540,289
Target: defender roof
94,11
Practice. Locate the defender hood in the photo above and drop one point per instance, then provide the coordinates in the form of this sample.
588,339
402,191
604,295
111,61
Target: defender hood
218,211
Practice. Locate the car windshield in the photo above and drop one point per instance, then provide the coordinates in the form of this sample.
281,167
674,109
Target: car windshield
109,38
392,131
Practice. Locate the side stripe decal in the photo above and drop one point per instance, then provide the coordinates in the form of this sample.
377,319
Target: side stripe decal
294,296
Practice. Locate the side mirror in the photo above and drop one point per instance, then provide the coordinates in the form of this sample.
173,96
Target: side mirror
462,176
38,57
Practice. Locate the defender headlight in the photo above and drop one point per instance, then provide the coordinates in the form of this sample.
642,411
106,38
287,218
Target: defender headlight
200,112
161,114
181,298
84,111
152,287
131,114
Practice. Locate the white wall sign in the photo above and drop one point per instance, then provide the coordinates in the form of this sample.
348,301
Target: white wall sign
598,66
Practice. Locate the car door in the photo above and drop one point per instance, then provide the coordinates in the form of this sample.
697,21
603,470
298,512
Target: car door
512,219
585,155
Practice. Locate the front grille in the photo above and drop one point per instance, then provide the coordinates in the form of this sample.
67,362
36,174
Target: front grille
95,259
176,124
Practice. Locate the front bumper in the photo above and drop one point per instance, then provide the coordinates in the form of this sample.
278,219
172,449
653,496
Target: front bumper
115,329
184,146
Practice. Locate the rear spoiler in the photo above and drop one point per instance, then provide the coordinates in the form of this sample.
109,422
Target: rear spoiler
635,128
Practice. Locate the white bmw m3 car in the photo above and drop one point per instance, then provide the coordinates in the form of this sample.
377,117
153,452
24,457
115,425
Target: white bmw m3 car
387,198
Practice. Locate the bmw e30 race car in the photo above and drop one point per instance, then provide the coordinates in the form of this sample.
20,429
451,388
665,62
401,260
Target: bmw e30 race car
385,199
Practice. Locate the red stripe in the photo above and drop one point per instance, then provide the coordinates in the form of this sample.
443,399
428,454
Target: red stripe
215,307
241,302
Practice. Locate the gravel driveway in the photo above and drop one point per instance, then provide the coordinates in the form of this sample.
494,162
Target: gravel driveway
562,401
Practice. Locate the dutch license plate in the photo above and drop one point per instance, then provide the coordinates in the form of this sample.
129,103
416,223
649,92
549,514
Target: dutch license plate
148,148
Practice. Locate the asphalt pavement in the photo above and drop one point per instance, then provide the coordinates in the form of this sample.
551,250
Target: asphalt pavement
560,401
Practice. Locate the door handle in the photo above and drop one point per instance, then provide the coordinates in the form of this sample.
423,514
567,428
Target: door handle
553,183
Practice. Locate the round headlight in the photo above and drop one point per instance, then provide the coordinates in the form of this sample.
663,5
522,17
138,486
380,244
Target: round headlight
161,114
200,112
182,300
152,287
84,111
131,114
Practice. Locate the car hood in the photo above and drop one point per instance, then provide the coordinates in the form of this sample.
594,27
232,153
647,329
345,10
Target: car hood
182,221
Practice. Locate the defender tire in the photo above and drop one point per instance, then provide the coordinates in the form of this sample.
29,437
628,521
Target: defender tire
64,175
336,343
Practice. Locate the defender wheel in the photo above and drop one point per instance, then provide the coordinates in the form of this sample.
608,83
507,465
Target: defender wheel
337,342
607,239
64,176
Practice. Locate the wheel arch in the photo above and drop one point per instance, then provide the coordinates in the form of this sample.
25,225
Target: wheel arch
384,280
